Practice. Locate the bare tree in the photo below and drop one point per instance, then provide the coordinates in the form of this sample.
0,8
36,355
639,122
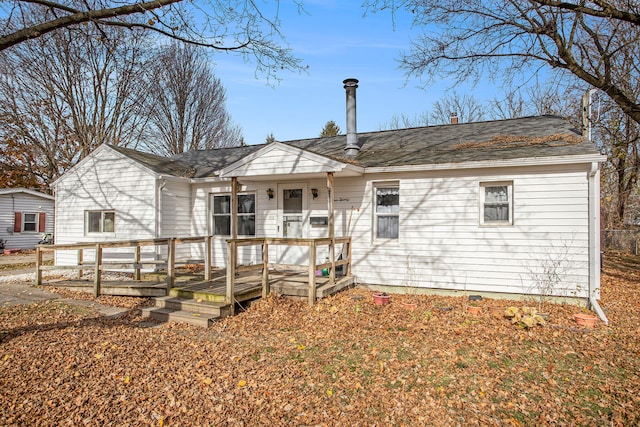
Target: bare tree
512,105
239,26
620,139
472,39
465,107
63,95
186,103
403,121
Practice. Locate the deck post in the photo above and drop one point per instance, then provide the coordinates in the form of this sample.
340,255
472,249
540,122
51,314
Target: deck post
38,264
348,269
97,270
265,269
234,207
171,264
80,262
136,262
312,272
231,275
207,258
332,231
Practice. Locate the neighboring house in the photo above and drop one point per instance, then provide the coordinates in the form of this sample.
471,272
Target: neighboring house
477,207
24,216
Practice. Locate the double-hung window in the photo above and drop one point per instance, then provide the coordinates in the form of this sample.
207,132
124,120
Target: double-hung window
100,221
387,211
496,203
29,222
246,214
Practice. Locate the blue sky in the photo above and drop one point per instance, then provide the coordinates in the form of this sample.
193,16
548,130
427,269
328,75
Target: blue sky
337,42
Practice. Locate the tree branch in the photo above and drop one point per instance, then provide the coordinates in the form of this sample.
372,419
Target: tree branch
607,10
78,18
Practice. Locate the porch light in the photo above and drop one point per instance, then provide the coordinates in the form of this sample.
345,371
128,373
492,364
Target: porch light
270,193
314,193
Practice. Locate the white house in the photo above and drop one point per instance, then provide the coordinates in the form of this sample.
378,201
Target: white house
24,216
483,207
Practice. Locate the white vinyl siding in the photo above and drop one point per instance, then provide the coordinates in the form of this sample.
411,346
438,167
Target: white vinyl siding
106,181
280,162
442,246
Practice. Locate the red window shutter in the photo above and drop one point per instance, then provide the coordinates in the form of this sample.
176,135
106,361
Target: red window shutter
42,222
17,222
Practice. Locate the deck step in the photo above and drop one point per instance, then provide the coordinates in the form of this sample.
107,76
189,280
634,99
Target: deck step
204,295
186,310
195,295
329,289
181,316
217,309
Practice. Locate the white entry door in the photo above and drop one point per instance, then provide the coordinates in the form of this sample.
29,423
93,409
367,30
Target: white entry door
292,221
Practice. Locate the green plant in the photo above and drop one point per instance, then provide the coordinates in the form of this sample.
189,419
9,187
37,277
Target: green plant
527,317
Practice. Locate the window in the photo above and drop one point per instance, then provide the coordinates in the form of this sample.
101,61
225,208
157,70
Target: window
29,222
246,215
100,221
387,213
496,203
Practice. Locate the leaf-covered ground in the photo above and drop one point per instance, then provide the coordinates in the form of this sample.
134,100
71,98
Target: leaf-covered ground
341,362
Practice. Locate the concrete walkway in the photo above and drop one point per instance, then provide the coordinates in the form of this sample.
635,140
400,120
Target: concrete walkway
16,288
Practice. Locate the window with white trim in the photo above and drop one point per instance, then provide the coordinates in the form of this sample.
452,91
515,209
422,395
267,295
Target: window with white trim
387,211
246,214
496,203
29,222
100,221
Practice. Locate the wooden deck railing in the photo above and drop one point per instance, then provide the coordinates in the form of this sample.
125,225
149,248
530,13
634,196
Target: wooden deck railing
233,267
98,264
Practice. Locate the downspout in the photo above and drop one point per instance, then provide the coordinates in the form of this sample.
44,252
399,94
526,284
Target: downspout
594,241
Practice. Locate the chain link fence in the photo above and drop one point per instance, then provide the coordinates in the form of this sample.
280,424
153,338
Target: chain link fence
625,241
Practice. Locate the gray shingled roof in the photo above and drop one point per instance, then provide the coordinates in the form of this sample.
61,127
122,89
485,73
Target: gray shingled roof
158,164
528,137
207,162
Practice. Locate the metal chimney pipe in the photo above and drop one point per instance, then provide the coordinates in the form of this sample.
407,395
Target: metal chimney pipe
351,149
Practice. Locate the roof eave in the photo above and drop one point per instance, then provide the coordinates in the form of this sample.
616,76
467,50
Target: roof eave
482,164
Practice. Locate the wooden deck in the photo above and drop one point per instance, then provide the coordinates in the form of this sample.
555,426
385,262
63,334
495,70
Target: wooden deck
193,286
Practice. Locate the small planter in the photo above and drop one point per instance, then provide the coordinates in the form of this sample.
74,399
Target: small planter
474,309
381,298
409,305
585,319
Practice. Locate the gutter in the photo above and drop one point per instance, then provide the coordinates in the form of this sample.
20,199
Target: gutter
594,240
481,164
596,307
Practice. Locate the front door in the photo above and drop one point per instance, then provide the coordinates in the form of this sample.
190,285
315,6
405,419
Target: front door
292,220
